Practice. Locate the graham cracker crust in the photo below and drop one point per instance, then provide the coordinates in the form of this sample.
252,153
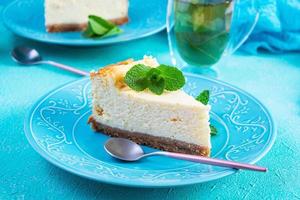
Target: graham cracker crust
162,143
79,27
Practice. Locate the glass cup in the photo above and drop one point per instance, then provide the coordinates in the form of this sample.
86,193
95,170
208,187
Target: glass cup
201,32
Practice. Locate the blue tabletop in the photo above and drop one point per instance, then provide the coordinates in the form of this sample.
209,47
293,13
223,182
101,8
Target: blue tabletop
24,174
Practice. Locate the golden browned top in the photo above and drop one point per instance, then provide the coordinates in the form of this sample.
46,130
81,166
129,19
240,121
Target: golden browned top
110,69
116,72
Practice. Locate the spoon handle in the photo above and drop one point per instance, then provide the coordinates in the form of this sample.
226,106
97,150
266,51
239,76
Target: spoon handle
211,161
67,68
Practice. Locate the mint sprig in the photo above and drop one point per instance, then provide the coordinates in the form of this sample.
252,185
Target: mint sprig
136,77
140,77
99,27
203,97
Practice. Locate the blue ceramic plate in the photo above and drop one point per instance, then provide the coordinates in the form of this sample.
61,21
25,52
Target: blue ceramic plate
26,18
57,128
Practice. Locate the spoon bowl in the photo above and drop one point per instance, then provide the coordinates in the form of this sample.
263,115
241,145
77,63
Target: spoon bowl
123,149
26,55
30,56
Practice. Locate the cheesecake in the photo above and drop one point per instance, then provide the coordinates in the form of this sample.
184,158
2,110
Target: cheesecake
72,15
173,121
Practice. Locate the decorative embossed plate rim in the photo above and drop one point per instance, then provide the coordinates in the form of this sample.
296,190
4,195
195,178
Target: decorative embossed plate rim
28,22
149,181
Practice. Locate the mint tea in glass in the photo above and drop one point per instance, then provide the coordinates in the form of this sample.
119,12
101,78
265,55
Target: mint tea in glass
200,31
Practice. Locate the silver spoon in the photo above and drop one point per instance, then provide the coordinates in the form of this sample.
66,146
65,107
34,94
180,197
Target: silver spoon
127,150
30,56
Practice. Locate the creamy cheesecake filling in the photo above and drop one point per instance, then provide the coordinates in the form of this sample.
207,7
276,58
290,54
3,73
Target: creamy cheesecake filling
72,12
172,121
173,115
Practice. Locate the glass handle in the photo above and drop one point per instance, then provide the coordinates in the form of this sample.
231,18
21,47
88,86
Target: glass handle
169,24
244,19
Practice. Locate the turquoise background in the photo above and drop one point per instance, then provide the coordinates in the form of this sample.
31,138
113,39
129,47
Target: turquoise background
273,79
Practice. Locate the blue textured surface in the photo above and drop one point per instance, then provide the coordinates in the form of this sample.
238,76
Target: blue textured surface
26,18
57,128
278,28
24,174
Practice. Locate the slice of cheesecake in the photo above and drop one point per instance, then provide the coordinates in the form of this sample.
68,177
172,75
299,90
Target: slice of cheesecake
72,15
173,121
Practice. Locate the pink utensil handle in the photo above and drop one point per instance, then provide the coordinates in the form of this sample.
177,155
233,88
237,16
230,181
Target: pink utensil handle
67,68
212,161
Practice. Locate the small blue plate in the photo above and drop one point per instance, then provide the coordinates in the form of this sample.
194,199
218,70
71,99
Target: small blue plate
26,18
57,129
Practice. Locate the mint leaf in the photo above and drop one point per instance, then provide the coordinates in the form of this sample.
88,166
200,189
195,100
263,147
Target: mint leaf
88,31
157,86
156,81
99,20
114,31
154,74
174,78
99,27
213,130
203,97
136,77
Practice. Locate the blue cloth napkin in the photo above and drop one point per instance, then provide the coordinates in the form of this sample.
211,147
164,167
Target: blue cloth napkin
278,28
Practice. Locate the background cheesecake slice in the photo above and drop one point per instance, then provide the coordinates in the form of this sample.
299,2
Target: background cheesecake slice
72,15
173,121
